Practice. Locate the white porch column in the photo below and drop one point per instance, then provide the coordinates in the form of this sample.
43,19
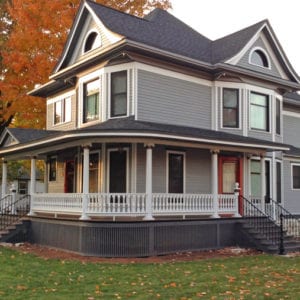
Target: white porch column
85,182
214,182
4,178
32,184
148,215
263,181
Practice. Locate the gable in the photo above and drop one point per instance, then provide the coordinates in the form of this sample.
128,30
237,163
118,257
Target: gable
265,42
85,23
7,139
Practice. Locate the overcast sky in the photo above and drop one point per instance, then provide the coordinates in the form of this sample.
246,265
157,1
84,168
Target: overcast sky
217,18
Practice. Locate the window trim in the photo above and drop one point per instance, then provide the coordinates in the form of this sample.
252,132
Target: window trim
127,93
93,30
292,176
167,169
268,129
63,110
239,109
264,52
84,84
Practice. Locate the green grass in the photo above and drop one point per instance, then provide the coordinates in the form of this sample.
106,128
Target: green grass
24,276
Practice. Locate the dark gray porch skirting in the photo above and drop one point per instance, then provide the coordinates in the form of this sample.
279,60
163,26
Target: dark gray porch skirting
136,239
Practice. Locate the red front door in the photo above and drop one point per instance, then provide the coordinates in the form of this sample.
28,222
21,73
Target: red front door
230,172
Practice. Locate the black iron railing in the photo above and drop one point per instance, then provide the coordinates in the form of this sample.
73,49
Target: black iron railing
290,222
12,209
261,222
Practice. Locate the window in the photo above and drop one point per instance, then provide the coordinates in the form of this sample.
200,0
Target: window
296,176
255,178
230,108
62,111
93,41
259,111
175,173
52,168
91,101
278,117
259,58
118,105
94,173
268,181
278,181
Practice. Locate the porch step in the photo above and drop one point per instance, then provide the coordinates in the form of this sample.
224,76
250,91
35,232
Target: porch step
259,237
16,232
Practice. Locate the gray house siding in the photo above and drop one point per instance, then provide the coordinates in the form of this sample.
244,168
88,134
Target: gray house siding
198,166
291,197
244,61
291,129
170,100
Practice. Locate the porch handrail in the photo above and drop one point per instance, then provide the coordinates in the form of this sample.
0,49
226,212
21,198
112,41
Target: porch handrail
4,201
261,221
290,222
14,210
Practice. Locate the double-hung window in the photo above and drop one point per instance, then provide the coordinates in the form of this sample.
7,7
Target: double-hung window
230,108
118,94
62,111
91,101
175,172
259,111
296,176
278,117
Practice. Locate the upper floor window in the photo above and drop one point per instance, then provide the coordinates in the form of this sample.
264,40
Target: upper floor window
62,111
118,94
296,176
259,111
230,108
91,101
278,117
92,41
258,57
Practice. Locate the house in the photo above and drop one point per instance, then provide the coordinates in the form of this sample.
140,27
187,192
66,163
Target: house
159,139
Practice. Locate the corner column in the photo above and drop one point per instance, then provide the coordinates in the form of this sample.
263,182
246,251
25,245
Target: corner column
4,178
32,184
214,182
263,181
85,181
148,215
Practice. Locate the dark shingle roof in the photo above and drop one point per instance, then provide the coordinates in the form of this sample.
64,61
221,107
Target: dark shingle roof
24,135
294,151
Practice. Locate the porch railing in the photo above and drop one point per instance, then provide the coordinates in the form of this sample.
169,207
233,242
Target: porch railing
133,204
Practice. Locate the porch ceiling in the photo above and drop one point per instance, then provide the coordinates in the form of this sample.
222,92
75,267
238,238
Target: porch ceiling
130,130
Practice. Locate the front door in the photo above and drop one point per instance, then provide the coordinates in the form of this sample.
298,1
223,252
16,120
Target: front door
230,172
117,171
70,176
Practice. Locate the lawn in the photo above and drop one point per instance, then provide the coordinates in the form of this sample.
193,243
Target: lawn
24,276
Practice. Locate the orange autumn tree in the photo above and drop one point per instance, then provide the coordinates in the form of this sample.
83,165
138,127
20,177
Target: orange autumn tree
38,31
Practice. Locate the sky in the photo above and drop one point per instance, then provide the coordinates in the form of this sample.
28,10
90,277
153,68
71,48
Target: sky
217,18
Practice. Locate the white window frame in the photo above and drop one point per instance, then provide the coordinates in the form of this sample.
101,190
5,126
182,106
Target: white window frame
270,106
63,105
167,168
109,150
109,92
266,55
240,112
93,30
82,81
292,177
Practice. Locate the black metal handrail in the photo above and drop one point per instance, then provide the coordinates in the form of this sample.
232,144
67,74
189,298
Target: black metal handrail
12,210
261,221
290,222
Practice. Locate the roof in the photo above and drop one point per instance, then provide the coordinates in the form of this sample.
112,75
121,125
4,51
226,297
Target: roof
294,151
292,98
24,135
128,127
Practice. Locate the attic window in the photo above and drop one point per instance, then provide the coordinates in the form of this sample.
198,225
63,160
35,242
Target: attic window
92,41
258,57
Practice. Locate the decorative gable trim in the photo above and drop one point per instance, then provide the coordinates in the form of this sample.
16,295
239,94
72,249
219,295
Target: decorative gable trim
8,139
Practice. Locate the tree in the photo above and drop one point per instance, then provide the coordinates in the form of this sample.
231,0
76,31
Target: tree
36,38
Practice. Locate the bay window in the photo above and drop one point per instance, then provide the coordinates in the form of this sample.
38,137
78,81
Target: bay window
259,111
230,108
62,111
118,94
91,101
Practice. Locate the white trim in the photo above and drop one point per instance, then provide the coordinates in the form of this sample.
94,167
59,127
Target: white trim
61,96
292,181
257,48
177,75
167,168
291,114
281,180
133,167
135,88
109,150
